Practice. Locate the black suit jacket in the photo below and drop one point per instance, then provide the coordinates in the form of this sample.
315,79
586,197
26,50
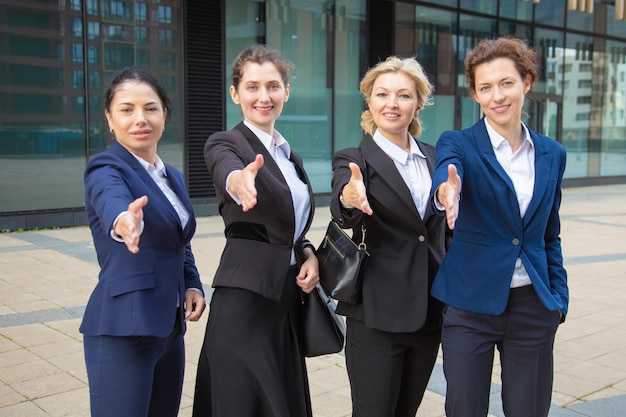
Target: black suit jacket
405,250
258,247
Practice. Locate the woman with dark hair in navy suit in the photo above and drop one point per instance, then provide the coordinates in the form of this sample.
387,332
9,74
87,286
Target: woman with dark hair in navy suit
503,280
251,364
142,223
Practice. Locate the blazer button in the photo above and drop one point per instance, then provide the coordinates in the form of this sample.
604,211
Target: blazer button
421,238
515,241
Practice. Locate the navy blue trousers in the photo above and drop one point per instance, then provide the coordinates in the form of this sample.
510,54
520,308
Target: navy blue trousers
139,376
524,335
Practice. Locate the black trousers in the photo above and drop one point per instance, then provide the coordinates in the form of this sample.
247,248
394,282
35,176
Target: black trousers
524,335
388,372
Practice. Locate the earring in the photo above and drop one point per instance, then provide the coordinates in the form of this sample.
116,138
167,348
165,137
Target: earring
112,131
164,128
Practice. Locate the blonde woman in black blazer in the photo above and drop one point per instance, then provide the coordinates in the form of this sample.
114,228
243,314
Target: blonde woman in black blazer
393,334
251,363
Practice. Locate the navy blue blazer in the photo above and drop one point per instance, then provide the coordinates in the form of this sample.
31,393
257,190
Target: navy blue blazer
490,234
137,294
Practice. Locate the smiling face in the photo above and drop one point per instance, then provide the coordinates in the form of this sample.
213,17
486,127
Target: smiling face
394,104
500,92
137,118
261,94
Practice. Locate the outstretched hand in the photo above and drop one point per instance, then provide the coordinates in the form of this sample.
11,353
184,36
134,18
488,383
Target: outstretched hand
449,194
354,193
128,226
241,184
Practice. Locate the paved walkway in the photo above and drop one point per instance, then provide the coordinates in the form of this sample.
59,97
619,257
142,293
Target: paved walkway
46,278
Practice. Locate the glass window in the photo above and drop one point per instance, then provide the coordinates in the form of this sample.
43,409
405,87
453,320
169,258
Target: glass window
436,37
613,134
118,11
92,7
165,14
77,27
141,35
481,6
76,5
93,30
519,10
576,127
141,12
77,52
579,20
348,101
167,60
306,121
92,54
450,3
549,47
551,12
166,37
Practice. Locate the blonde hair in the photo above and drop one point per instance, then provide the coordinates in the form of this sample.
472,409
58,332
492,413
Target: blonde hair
408,66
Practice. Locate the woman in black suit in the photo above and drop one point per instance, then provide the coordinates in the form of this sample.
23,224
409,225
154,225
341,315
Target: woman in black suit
393,333
251,363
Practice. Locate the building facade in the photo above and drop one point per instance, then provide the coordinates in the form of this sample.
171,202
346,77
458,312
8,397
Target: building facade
57,55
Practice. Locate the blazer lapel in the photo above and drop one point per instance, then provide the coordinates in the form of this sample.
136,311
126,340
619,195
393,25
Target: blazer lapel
481,138
141,172
386,169
543,161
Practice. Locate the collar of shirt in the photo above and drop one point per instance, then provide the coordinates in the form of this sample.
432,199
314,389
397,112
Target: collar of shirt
394,151
268,140
497,139
159,168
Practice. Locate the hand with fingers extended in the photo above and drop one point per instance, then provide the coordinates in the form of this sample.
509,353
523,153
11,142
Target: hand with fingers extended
241,184
128,226
354,193
449,195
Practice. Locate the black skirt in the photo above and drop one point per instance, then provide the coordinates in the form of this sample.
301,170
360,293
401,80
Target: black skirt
250,363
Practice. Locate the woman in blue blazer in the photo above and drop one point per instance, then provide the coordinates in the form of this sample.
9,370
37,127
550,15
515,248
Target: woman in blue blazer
503,281
251,364
142,223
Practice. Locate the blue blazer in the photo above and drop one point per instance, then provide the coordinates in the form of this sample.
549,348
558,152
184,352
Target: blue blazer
490,234
137,294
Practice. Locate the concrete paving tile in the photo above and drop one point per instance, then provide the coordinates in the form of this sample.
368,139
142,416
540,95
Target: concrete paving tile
44,386
561,399
610,407
56,349
8,396
432,405
73,364
32,334
330,404
329,378
72,402
24,409
9,241
599,374
608,392
575,387
7,345
17,357
26,372
613,360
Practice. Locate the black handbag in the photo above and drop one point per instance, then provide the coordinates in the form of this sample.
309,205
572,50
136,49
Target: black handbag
323,330
340,264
